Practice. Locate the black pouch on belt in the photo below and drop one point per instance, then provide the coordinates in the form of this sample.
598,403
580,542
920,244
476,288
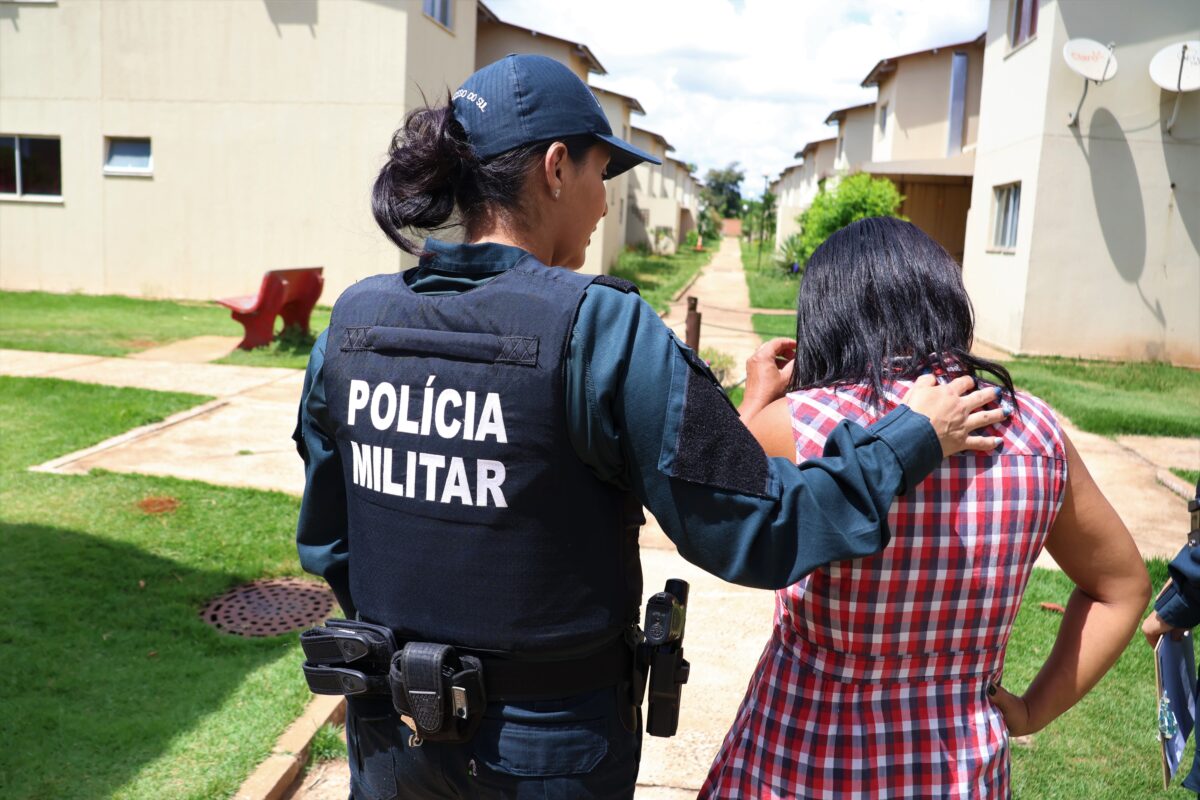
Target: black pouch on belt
441,691
361,646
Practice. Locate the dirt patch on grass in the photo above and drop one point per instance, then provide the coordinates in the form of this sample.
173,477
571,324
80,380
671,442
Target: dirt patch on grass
158,504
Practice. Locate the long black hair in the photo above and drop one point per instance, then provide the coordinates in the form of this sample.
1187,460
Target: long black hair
881,301
432,171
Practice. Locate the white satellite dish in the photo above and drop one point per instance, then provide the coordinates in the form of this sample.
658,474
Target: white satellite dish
1089,58
1176,68
1094,61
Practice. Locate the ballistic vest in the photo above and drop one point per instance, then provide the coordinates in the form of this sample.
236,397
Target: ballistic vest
471,519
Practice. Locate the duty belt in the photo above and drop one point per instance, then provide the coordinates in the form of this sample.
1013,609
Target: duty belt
442,689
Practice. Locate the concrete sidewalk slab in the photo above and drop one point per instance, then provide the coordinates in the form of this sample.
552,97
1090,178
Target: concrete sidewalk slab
1156,517
208,379
196,350
37,364
1165,451
242,442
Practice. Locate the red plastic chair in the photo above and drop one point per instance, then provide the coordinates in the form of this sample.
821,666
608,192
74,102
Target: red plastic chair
290,293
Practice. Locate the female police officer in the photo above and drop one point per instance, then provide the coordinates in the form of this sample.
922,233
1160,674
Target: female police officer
480,432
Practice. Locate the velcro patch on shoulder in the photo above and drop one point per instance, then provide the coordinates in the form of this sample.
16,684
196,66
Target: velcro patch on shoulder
714,448
619,284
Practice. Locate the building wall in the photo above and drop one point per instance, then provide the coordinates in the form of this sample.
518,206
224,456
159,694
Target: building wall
1111,233
653,217
920,91
1008,150
609,239
496,40
1109,228
268,121
855,130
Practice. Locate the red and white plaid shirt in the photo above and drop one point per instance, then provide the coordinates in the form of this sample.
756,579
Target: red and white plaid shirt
874,683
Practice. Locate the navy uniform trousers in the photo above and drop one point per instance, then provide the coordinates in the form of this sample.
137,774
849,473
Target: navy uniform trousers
574,747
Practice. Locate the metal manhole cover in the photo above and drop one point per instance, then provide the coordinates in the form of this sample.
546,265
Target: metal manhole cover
269,607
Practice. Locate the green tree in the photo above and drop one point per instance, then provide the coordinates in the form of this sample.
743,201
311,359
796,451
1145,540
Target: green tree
856,197
723,190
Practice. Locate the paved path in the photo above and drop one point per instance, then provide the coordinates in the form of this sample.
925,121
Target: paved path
724,305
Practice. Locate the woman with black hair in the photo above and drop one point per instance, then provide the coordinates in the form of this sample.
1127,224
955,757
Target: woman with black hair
882,677
480,433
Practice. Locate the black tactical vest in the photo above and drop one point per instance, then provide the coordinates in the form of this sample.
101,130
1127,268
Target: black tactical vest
472,521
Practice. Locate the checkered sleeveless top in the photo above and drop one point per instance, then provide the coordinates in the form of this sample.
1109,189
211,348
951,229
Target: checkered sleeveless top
874,683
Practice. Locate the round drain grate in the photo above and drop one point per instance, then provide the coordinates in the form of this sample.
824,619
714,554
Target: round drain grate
269,607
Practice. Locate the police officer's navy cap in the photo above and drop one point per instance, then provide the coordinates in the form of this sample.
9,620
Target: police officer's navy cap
525,99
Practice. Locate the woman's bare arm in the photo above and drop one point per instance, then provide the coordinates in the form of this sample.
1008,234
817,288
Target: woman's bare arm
1095,550
772,427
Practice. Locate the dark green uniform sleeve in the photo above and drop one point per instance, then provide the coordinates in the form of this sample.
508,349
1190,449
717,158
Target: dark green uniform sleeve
644,414
321,530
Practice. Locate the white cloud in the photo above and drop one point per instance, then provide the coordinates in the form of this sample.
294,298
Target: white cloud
747,80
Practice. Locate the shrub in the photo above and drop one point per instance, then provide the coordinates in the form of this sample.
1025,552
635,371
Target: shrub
856,197
720,363
690,239
791,256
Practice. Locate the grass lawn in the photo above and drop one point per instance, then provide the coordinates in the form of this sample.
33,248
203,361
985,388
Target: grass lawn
1105,748
105,325
1189,475
1115,398
114,687
1109,398
770,286
660,277
111,325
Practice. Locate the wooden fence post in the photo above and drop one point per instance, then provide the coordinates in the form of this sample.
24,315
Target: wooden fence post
692,326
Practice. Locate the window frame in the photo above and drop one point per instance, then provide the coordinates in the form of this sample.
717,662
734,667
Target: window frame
128,172
883,119
1015,17
1004,223
430,6
25,197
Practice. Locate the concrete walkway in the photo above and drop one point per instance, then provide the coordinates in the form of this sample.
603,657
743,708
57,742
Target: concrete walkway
242,438
724,306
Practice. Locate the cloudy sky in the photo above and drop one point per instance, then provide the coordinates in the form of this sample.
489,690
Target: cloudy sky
745,80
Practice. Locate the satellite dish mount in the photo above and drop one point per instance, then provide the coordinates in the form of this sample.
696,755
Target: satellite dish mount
1176,68
1095,62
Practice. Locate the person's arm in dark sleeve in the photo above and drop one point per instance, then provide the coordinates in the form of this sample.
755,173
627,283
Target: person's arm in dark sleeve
321,530
1179,603
645,414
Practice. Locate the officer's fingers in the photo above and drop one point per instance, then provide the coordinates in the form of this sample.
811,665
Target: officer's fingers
982,444
982,419
925,381
981,397
960,386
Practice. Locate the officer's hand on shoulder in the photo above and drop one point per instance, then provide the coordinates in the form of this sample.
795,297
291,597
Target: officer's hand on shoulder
953,411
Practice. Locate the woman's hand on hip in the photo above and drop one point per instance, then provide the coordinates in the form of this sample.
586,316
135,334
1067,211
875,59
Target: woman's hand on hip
1014,709
952,409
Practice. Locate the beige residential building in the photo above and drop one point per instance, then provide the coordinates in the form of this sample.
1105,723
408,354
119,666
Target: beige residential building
926,122
799,184
855,136
653,219
608,242
1085,240
687,195
496,39
182,148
